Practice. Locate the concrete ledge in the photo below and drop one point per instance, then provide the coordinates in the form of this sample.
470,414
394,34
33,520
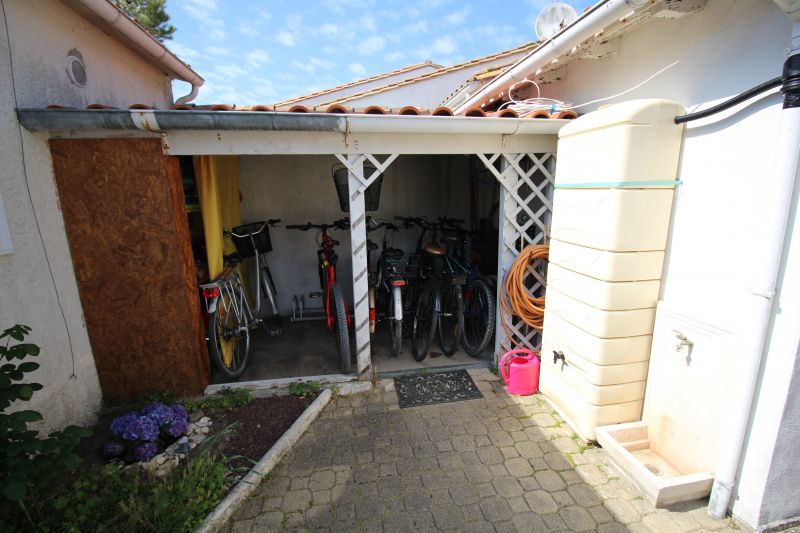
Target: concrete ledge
280,383
225,509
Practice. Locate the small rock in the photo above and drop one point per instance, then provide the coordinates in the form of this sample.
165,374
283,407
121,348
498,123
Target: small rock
183,440
160,459
205,429
194,416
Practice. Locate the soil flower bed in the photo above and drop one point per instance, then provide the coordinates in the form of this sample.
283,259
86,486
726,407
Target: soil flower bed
164,465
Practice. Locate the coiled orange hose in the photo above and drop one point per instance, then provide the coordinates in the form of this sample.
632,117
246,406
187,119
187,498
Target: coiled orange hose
517,300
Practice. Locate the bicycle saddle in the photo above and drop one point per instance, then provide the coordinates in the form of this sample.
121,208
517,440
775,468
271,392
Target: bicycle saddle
392,253
433,249
451,238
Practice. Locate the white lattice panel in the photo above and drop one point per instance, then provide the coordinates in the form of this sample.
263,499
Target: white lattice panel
526,205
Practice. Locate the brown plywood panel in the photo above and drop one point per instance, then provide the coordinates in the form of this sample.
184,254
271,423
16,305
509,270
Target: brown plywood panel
122,202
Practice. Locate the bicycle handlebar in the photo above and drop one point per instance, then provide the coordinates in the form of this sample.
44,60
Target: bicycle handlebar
342,223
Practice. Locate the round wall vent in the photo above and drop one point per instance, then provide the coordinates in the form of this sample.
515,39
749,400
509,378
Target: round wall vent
76,68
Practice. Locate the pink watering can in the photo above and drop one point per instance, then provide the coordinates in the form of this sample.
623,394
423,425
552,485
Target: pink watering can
522,375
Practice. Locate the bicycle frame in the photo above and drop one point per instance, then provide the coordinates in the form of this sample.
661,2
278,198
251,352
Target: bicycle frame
327,265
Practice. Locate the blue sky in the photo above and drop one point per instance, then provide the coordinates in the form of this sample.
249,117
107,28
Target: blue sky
260,52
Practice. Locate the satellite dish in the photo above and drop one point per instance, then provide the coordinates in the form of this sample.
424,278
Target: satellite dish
553,18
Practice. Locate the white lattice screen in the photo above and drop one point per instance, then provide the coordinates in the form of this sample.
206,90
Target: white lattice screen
526,205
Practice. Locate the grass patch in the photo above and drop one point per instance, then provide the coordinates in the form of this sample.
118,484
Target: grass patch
304,388
227,400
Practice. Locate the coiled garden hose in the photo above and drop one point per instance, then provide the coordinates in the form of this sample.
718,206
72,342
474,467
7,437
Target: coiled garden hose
516,299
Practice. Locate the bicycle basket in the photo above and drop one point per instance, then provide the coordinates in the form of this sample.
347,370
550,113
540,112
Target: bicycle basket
244,245
372,198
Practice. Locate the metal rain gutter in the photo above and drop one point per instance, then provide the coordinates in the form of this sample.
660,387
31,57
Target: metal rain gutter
158,121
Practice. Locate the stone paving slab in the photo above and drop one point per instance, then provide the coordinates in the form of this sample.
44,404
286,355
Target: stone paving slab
496,464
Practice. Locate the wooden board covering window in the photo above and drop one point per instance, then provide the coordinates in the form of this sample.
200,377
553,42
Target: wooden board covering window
124,213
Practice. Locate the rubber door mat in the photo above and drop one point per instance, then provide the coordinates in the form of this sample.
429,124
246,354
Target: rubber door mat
436,387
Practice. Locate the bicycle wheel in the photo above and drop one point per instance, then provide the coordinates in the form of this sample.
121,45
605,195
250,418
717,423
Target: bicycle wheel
229,338
340,329
479,318
425,321
451,317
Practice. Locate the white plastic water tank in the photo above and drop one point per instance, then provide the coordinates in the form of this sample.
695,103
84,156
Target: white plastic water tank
605,265
606,295
634,143
619,220
598,322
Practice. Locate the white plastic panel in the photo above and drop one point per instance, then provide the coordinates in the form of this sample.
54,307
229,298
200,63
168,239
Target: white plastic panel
607,295
605,265
593,373
600,323
618,220
635,142
684,428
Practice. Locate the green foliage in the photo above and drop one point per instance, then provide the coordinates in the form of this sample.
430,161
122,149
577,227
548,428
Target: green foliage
304,388
131,500
149,14
27,460
226,399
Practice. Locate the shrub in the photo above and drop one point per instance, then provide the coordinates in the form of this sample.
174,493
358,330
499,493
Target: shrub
304,388
226,399
26,459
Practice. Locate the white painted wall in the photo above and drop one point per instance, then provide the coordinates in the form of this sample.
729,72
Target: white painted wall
41,33
727,48
300,189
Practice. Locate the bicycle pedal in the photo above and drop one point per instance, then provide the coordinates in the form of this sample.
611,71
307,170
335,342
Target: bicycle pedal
255,323
274,331
315,295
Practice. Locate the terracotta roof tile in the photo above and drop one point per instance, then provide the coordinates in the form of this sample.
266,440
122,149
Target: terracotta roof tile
409,110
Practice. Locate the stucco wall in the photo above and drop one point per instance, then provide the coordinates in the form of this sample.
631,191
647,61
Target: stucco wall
725,49
41,34
299,189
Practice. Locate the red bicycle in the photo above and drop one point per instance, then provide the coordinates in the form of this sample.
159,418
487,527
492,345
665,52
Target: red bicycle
337,317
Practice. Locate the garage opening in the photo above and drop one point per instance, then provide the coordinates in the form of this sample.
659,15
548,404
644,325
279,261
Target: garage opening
427,216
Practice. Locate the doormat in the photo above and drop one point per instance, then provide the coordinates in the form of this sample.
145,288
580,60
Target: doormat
436,387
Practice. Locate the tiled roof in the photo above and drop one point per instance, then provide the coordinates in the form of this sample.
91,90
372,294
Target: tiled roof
339,109
377,77
527,47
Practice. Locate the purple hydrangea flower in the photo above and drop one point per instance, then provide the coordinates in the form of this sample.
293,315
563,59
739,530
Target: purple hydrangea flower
179,411
142,429
159,413
121,424
178,427
146,451
113,449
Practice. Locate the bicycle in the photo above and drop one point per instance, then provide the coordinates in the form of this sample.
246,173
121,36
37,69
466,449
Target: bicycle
337,318
388,277
230,317
439,302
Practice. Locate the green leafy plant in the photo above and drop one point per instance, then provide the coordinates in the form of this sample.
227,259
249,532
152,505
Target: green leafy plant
26,459
304,388
226,399
150,14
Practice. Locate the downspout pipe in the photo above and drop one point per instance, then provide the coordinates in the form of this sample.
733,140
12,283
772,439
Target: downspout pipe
770,235
595,20
115,18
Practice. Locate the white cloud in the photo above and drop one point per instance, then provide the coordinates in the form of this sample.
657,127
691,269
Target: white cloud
419,26
249,28
285,38
371,45
457,17
394,56
184,52
231,71
444,45
330,29
368,24
219,51
358,69
203,11
257,57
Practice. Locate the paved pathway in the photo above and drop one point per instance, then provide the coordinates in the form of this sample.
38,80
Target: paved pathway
500,464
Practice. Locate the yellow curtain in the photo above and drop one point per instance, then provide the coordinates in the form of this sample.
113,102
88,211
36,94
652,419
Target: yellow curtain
218,189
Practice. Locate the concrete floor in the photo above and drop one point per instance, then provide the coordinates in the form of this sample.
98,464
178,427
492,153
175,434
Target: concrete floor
497,464
308,349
